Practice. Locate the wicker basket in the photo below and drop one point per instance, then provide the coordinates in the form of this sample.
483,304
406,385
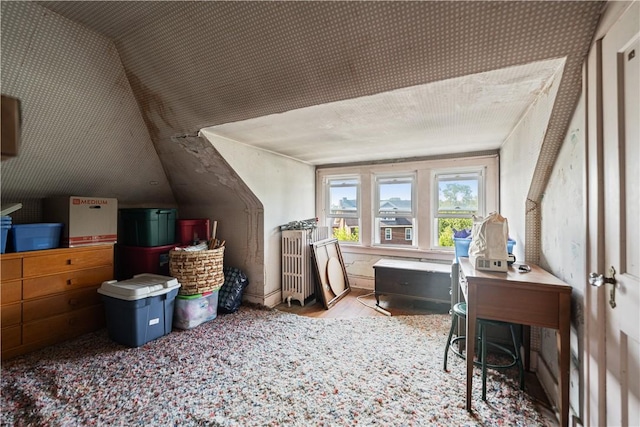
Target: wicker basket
197,271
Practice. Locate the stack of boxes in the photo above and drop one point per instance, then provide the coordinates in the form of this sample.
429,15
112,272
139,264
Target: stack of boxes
193,310
145,238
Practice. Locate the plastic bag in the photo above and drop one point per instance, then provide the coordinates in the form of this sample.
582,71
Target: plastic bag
489,237
230,294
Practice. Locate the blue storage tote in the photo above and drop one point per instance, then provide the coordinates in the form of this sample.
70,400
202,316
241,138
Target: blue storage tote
147,227
6,226
140,309
462,246
35,237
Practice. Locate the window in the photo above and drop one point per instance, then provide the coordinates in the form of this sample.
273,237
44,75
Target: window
459,197
408,234
344,208
388,234
395,210
406,209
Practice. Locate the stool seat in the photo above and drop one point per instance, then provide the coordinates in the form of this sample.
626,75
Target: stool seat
459,310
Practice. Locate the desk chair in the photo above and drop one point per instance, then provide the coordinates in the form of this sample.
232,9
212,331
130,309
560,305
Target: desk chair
460,311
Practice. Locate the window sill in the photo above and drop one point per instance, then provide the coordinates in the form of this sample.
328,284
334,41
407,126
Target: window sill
440,255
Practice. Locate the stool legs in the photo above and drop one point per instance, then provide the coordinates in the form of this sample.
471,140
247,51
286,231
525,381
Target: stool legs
454,323
483,356
482,353
516,346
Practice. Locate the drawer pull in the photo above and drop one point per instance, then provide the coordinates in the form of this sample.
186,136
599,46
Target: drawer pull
72,321
69,262
71,282
73,301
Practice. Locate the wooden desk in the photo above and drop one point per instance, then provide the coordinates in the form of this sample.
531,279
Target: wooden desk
533,299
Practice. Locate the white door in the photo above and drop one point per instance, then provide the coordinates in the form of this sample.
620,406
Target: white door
621,153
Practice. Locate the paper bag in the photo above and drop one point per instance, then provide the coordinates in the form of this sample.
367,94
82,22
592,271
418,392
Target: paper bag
489,237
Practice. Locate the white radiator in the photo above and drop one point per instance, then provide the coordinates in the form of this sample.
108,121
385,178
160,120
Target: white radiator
297,267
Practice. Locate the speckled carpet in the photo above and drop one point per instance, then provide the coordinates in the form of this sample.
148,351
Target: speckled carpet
261,368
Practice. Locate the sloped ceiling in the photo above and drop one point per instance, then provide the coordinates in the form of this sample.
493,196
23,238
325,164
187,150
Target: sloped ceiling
201,64
332,80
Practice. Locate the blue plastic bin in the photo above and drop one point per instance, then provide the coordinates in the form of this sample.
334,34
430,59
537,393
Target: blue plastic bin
462,246
140,309
4,232
5,224
35,237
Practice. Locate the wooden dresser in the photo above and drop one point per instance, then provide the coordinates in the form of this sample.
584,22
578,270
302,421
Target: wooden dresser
51,296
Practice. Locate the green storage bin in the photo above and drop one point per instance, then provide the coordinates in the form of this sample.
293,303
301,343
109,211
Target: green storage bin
147,227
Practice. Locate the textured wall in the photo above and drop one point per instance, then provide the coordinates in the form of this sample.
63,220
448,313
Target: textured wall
82,131
518,158
286,191
564,246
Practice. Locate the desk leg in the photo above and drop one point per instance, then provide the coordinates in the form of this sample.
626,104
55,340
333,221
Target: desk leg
563,338
471,339
526,346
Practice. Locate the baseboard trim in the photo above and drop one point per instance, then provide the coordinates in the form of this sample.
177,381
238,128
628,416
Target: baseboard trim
547,381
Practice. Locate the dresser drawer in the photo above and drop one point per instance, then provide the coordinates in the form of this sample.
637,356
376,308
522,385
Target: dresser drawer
11,291
67,261
11,337
42,308
10,269
64,326
11,314
43,286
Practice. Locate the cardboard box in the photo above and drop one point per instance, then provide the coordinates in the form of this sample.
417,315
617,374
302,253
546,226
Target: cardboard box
87,220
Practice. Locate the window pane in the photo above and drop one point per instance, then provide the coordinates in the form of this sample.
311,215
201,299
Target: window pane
387,234
393,231
458,194
346,229
408,234
343,197
446,227
395,196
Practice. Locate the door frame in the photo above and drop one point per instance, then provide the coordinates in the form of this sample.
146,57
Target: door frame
594,355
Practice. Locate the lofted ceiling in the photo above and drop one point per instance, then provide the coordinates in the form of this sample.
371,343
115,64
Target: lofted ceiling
460,115
335,82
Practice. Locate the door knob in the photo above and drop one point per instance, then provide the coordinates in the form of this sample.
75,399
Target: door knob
598,280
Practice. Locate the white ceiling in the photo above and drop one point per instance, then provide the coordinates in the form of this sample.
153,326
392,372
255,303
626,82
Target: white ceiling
459,115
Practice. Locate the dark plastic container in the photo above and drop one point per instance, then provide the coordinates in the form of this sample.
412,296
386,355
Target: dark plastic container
140,309
147,227
35,237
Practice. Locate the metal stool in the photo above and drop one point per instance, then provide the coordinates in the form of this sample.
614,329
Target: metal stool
460,311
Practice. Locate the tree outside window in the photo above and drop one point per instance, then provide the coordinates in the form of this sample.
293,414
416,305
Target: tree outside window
459,198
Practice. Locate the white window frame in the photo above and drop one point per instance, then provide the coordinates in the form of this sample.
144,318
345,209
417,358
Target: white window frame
388,233
379,215
423,236
453,174
408,231
331,217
